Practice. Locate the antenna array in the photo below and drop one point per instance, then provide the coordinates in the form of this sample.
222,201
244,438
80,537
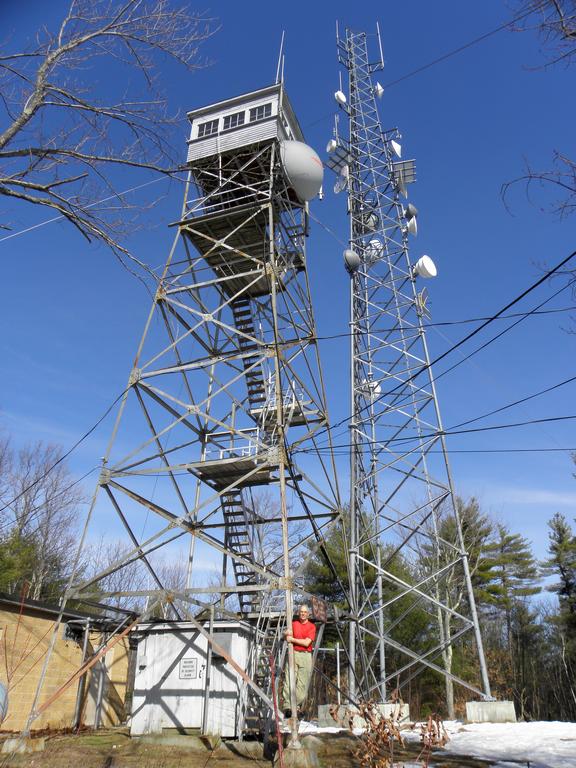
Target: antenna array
407,550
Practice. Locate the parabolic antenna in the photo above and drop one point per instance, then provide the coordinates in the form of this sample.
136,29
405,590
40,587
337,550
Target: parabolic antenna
412,226
331,146
372,388
340,98
425,267
342,180
374,249
397,148
378,90
352,260
303,168
370,221
410,211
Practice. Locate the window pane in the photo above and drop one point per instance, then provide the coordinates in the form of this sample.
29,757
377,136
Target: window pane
261,112
208,128
232,121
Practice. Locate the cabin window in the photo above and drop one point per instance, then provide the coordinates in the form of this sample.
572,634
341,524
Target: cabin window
207,129
261,112
233,121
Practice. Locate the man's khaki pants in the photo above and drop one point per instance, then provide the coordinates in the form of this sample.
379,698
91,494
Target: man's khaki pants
303,673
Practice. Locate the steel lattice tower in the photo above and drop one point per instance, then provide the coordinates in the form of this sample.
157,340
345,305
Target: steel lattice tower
402,492
225,385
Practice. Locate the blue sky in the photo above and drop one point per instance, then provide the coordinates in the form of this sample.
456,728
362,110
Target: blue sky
71,317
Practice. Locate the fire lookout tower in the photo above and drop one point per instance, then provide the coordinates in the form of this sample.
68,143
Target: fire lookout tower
225,385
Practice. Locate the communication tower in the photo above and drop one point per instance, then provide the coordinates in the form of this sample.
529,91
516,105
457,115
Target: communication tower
402,504
225,384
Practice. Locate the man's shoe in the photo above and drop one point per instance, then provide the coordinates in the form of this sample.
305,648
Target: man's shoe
287,713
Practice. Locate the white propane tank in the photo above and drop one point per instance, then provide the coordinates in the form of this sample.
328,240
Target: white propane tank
303,168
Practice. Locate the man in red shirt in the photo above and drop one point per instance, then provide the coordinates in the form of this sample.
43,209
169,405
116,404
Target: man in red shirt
302,638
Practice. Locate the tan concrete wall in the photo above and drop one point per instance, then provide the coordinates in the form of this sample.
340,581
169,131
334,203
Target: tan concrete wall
24,641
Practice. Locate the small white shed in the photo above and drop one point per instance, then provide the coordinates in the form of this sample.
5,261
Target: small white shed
170,679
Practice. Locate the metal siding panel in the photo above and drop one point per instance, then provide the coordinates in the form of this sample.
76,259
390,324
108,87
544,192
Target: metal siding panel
203,148
251,133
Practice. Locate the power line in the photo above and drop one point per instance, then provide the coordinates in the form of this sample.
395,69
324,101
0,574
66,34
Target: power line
492,450
90,205
35,511
461,48
466,338
465,321
443,57
444,432
487,343
516,402
65,455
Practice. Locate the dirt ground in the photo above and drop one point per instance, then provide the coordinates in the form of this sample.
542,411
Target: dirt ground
115,749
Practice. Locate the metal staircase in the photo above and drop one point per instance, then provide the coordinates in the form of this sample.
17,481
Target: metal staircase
244,322
239,538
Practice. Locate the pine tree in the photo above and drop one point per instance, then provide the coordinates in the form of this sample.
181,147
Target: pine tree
477,530
562,564
513,574
406,621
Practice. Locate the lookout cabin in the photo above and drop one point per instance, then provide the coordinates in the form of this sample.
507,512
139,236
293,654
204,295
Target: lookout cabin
251,118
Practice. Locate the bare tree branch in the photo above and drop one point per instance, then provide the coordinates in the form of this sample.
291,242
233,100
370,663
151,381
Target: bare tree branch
562,177
555,23
60,130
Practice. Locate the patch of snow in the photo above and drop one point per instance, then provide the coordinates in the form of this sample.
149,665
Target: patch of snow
508,745
305,727
539,744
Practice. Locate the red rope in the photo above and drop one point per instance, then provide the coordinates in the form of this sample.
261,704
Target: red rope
276,716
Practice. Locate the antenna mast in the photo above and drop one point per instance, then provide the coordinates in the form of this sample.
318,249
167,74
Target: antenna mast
407,551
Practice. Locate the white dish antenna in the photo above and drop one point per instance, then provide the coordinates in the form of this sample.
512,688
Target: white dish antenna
342,180
370,221
397,148
303,169
331,146
412,226
410,211
340,98
425,268
351,261
372,388
374,249
378,90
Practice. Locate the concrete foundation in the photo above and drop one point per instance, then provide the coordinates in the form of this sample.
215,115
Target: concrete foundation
298,757
490,712
398,712
173,739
